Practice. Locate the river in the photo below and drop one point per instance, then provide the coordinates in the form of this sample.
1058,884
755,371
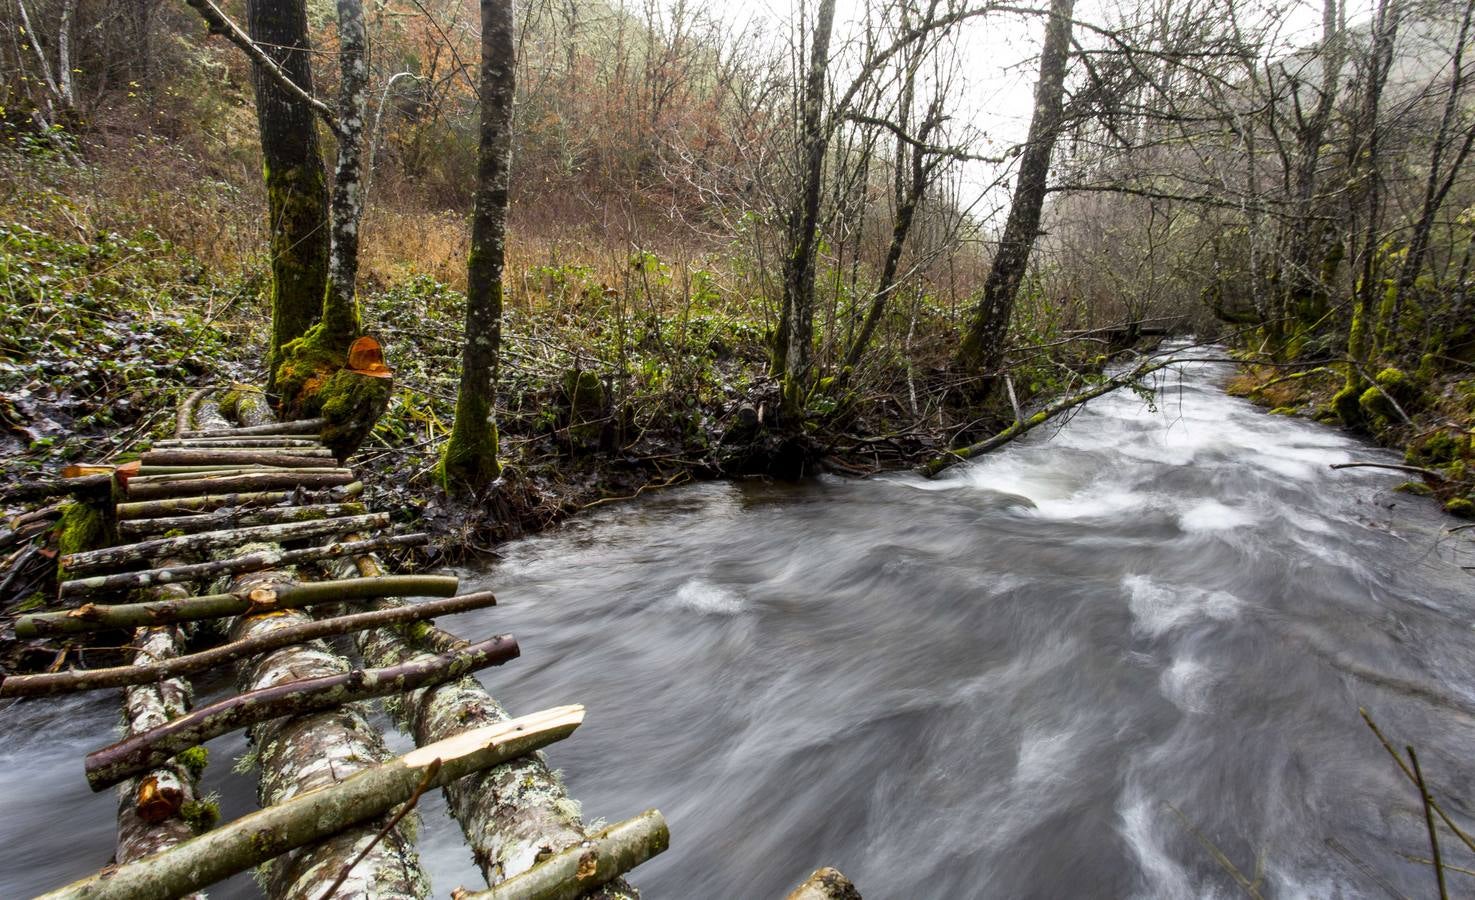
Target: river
1064,670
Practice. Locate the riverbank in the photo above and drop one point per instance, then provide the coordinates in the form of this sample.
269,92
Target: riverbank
1427,415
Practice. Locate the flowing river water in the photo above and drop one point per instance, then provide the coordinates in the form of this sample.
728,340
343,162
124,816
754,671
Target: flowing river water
1069,669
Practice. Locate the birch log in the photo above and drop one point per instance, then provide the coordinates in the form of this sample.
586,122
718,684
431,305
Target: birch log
826,884
205,503
229,517
314,815
273,429
575,871
513,815
268,557
206,541
109,765
287,457
247,443
75,680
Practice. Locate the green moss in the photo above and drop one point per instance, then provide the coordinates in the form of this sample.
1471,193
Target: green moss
31,603
1460,506
201,815
81,527
1399,386
1416,488
352,403
1284,411
194,759
1376,410
1435,449
1346,405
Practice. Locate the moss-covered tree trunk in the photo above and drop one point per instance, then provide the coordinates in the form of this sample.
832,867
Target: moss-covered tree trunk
983,345
296,184
471,454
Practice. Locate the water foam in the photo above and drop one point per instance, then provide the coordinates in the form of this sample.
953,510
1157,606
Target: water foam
704,597
1158,608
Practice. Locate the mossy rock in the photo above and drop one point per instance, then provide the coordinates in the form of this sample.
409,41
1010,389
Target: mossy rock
1463,507
1376,410
1284,411
1398,385
1347,406
1437,448
584,398
1416,488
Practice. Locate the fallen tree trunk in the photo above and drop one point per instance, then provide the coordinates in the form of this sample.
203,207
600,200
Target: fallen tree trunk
314,815
76,680
219,473
575,871
204,542
228,517
512,815
155,508
109,765
286,457
952,457
272,429
149,489
305,445
249,562
267,598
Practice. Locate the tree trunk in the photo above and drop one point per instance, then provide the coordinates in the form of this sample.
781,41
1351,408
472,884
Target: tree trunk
322,815
471,454
340,306
794,340
982,349
296,183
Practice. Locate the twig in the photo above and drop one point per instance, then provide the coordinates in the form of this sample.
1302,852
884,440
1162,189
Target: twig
1433,804
1218,855
1397,467
430,772
1365,869
1413,759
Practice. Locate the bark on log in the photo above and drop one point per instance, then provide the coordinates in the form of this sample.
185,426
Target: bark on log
249,562
203,473
85,485
303,445
228,517
151,473
1020,428
76,680
246,482
109,765
264,598
206,541
157,508
271,429
512,815
826,884
286,457
313,815
574,871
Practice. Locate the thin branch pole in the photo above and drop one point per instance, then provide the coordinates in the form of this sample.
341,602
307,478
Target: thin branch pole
1427,802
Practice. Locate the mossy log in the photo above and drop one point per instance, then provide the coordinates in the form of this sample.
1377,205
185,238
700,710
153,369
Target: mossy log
826,884
272,429
512,815
263,598
77,680
311,816
249,562
285,444
284,458
155,508
109,765
163,487
229,517
208,541
575,871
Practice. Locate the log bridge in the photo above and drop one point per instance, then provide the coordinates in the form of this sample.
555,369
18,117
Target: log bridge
247,536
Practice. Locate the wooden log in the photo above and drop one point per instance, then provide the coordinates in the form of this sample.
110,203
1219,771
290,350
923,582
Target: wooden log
315,815
109,765
575,871
272,429
85,485
825,884
264,598
250,562
209,473
308,460
513,815
207,541
76,680
246,482
158,508
150,473
229,517
308,446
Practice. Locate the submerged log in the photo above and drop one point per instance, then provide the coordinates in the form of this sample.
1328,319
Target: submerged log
314,815
273,429
230,517
249,562
109,765
826,884
76,680
513,815
284,458
207,541
575,871
264,598
155,508
162,487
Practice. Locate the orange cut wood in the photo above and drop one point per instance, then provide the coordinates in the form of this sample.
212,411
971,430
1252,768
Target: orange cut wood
366,357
